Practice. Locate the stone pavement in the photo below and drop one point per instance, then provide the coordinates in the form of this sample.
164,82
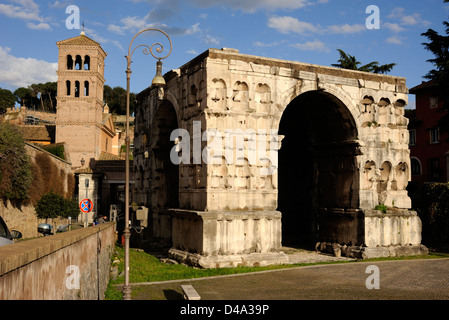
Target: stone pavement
420,279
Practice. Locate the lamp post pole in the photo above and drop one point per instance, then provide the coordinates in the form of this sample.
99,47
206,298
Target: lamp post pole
158,81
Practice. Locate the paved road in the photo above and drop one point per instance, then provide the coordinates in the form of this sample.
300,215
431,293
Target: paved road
399,280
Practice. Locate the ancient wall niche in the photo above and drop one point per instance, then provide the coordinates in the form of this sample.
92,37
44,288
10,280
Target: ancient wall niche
399,112
262,98
368,110
218,95
240,96
384,111
401,176
384,181
243,174
369,174
191,98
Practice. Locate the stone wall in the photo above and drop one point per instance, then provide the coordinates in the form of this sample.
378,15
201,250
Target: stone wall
324,138
68,266
24,219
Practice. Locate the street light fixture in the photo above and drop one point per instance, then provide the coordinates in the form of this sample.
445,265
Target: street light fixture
158,81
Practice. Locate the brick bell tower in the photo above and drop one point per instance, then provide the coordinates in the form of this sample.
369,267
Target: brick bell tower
80,98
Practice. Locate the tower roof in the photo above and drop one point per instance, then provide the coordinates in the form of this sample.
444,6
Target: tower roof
81,40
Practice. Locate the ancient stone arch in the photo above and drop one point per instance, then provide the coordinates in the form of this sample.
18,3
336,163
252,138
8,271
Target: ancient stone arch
320,128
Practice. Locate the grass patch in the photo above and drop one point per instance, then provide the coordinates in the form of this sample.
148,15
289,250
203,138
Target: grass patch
144,267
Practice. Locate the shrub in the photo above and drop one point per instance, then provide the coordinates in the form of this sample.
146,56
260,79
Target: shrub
434,212
53,205
381,207
15,167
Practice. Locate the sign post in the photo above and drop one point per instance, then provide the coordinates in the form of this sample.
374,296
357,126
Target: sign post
86,206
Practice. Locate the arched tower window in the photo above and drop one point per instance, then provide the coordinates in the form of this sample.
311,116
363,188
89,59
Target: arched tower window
77,89
69,62
86,88
86,63
68,85
78,63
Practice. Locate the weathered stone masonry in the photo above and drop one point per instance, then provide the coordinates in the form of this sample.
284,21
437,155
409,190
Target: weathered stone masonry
343,149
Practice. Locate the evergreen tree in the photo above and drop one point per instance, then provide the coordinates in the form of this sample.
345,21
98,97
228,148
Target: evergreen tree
347,61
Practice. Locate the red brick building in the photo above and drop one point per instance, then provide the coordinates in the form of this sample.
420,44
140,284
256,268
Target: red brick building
429,144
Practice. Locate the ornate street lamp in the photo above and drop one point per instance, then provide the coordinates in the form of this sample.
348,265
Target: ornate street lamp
159,82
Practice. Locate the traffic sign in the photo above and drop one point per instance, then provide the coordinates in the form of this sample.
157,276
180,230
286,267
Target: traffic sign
86,205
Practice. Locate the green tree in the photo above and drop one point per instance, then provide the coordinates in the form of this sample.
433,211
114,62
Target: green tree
45,93
24,97
53,205
116,99
15,166
49,206
7,100
347,61
438,45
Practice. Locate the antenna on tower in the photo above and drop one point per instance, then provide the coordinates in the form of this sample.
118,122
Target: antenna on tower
82,32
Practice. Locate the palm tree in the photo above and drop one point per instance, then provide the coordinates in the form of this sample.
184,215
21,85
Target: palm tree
347,61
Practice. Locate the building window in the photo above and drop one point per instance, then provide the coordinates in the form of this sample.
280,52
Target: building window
68,85
433,102
434,135
416,166
69,62
86,88
86,63
434,170
77,89
78,63
412,140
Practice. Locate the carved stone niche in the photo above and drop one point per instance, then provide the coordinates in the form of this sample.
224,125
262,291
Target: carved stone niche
384,111
240,97
384,183
367,109
218,95
402,174
262,98
191,98
370,175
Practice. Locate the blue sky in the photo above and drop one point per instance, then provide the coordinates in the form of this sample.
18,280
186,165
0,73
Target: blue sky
308,31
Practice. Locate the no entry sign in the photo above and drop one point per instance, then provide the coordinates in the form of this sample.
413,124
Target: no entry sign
86,205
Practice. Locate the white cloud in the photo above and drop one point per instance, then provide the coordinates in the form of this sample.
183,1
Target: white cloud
399,15
102,40
21,72
193,29
346,28
38,26
393,27
116,29
211,40
394,40
254,5
26,10
267,45
312,46
288,24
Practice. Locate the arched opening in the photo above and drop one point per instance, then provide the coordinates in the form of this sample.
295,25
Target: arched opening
86,63
317,165
77,89
68,87
78,63
165,174
69,62
86,88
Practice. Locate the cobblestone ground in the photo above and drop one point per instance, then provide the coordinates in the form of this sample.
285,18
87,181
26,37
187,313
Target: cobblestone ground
399,280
